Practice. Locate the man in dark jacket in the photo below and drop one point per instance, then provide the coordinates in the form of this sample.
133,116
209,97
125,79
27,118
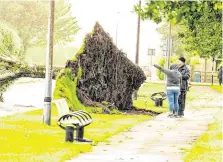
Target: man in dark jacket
183,69
220,75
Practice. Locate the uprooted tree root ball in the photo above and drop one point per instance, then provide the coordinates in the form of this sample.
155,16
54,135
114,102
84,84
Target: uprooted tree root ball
100,74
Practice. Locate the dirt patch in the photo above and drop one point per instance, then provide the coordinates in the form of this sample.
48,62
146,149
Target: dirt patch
141,111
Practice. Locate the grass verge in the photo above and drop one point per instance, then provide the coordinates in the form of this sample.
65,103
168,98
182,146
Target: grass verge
209,146
144,101
217,88
24,138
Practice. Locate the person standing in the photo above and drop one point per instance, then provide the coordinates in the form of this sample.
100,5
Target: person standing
172,87
183,69
220,75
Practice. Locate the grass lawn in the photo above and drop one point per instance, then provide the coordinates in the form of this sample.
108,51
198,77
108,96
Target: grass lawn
217,88
147,89
144,100
24,137
208,148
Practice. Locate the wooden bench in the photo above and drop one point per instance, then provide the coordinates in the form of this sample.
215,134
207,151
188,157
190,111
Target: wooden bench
72,121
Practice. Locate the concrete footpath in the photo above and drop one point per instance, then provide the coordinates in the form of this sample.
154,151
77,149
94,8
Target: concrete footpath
161,139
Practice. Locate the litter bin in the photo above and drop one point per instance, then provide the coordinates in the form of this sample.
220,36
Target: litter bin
197,77
158,100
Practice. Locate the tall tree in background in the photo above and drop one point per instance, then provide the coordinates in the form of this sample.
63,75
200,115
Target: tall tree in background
30,19
206,37
11,46
65,25
198,17
177,44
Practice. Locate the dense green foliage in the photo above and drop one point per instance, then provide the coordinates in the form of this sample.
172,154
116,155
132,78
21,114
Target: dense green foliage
66,88
25,25
158,72
206,38
177,48
11,46
201,19
30,19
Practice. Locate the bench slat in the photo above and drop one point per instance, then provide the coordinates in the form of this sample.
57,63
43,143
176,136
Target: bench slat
62,107
77,118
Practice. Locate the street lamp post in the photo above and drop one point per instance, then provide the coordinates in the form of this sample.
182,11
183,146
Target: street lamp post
169,46
116,36
138,37
49,66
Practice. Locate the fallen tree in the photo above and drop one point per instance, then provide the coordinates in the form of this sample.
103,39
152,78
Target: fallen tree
11,69
12,65
99,74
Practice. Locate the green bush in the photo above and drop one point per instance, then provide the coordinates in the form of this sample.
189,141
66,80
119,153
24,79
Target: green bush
158,72
10,42
66,84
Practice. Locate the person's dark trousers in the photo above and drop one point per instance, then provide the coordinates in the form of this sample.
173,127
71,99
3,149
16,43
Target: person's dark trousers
182,100
220,81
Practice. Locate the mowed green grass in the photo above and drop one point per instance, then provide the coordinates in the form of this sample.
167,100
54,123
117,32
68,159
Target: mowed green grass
145,102
217,88
147,89
24,138
208,148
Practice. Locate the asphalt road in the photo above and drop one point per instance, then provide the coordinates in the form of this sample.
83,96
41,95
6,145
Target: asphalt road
24,95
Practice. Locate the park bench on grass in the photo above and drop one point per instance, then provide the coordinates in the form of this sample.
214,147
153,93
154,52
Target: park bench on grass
72,121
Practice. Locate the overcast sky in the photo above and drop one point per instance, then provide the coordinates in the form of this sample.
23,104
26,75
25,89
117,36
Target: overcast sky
88,12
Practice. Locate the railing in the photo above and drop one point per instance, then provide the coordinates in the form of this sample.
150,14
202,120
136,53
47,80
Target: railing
206,77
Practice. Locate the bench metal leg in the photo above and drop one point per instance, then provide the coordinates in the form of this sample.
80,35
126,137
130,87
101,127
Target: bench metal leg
80,135
161,103
69,134
157,103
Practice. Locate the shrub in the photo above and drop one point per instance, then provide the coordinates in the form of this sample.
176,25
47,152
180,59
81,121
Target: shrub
162,62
